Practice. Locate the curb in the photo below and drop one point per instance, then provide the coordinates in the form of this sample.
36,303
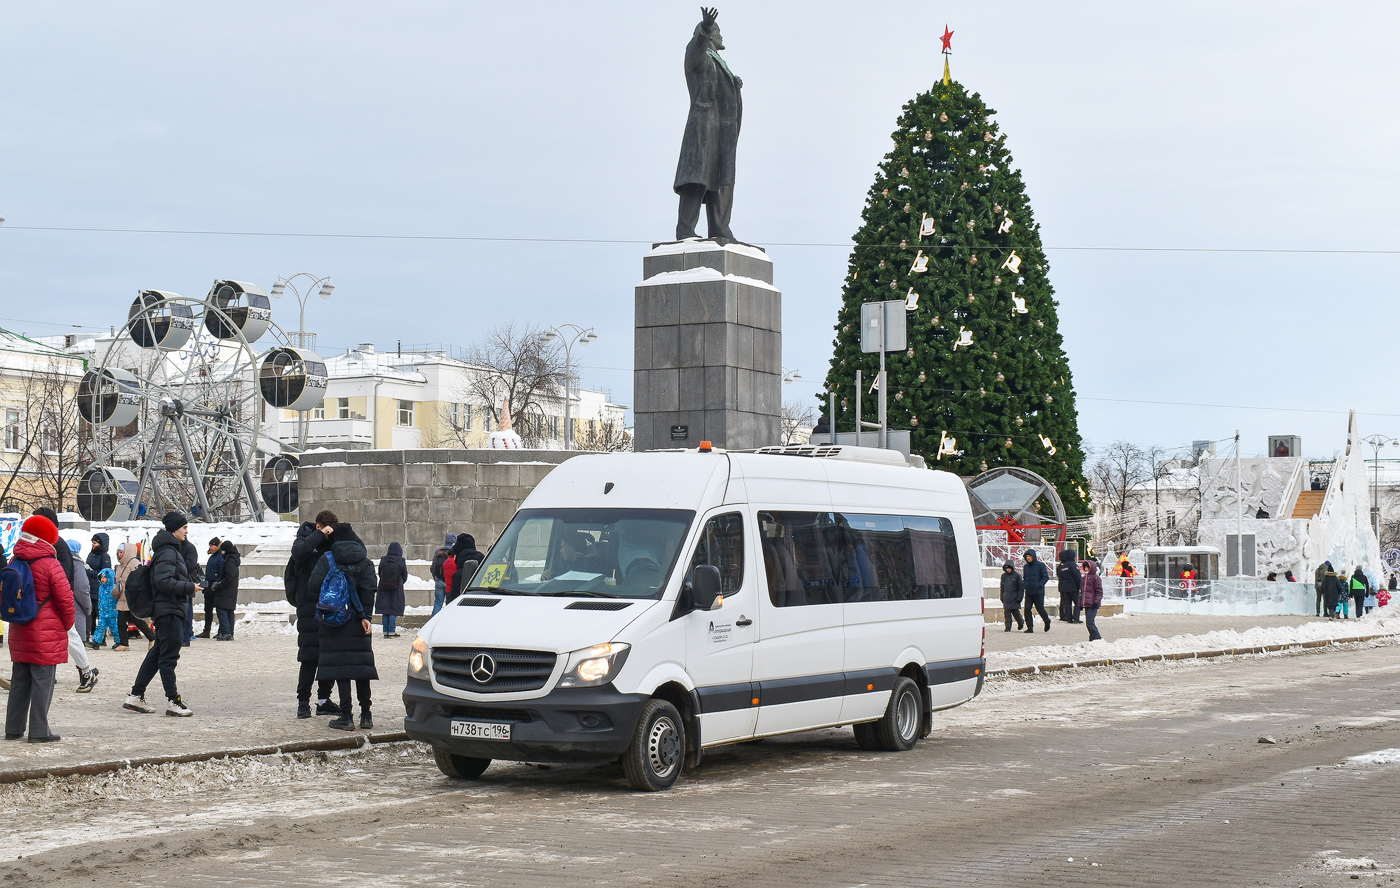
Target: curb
95,768
1042,668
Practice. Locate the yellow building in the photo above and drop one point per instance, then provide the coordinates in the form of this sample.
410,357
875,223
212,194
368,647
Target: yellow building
44,446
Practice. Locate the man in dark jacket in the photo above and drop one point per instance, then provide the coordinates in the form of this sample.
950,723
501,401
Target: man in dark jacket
310,545
346,651
1317,582
1033,580
1068,575
224,590
211,577
97,559
172,585
1011,594
467,558
1332,590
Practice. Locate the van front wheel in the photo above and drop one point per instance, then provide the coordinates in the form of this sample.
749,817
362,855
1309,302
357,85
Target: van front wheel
898,729
653,760
459,767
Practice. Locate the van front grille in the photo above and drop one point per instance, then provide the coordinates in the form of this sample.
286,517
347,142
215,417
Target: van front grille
492,670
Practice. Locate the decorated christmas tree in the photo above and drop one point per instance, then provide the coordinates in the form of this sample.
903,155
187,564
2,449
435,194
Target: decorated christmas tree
948,228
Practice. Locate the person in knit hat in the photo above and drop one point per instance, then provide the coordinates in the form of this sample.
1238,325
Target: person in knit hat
37,647
440,558
173,585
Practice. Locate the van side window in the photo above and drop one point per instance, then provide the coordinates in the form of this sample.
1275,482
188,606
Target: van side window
828,558
722,545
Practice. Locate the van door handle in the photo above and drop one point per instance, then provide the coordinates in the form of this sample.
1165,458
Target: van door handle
743,621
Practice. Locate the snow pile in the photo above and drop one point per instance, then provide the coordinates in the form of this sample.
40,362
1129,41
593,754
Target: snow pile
246,534
1382,757
266,618
1150,645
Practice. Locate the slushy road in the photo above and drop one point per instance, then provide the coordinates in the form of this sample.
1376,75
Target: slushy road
1137,775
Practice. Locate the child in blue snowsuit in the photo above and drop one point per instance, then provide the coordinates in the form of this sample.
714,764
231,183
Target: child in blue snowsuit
106,606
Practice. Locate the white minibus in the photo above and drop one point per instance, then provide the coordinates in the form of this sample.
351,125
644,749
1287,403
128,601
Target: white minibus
648,607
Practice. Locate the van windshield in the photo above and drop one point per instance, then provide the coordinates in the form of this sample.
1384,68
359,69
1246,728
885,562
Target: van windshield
608,553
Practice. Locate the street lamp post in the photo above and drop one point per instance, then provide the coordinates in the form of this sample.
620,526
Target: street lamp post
1377,442
568,335
326,288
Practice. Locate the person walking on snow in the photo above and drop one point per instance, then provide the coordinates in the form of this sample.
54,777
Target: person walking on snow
98,558
1091,597
37,647
1011,595
1068,576
1360,588
310,546
1033,579
224,593
106,608
438,570
172,585
1317,585
389,599
347,653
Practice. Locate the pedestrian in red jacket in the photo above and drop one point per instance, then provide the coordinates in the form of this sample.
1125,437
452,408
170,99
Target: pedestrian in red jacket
37,647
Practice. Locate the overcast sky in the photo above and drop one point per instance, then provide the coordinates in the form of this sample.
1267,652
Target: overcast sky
1210,125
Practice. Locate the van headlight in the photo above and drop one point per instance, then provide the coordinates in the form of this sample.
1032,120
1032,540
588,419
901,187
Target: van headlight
418,660
594,666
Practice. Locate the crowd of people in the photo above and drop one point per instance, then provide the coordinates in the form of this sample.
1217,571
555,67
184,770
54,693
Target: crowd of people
1081,592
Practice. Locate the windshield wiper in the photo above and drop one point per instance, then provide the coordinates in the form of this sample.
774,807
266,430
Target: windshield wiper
497,590
587,593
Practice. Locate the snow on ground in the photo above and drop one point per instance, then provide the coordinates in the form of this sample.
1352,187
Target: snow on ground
1382,757
1129,648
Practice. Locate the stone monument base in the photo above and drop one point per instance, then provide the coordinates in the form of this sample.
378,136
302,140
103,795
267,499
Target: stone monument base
709,348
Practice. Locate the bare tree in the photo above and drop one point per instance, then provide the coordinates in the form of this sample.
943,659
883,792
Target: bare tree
515,363
54,444
795,416
605,435
1117,473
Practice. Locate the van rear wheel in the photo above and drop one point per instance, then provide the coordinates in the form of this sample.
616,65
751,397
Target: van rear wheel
459,767
898,729
653,760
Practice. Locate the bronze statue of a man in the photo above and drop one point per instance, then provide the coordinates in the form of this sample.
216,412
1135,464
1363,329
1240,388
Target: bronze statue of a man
705,173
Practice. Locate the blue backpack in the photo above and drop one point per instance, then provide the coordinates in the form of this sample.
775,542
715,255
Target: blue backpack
17,600
336,600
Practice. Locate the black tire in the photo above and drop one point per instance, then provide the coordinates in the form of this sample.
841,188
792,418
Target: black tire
865,736
654,759
898,729
459,767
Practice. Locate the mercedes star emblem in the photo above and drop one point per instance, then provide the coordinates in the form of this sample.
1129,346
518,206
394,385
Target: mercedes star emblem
483,668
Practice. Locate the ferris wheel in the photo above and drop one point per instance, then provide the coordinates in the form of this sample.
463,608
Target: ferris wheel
176,405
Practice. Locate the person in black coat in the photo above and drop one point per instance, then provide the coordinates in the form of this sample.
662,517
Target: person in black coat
1033,579
468,559
172,586
1011,595
311,543
389,601
224,592
98,558
346,651
1070,580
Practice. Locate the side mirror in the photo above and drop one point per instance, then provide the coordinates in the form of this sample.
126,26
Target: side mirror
705,587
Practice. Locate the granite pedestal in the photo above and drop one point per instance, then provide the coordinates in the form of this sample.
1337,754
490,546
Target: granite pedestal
709,348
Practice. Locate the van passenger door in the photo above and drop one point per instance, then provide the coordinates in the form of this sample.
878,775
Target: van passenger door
719,643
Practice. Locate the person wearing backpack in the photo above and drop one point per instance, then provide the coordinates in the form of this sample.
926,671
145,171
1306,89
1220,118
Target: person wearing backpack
172,587
39,645
310,546
129,559
389,600
342,612
224,590
440,559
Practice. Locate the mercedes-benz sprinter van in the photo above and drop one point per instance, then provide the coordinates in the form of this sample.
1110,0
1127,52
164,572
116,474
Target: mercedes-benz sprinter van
646,607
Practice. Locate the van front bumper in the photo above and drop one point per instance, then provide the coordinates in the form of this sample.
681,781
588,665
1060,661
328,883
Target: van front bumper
565,725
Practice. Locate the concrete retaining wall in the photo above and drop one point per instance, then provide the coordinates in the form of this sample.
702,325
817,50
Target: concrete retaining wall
417,497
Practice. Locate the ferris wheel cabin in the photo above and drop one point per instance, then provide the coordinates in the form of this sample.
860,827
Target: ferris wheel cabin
292,378
237,307
159,319
108,397
107,493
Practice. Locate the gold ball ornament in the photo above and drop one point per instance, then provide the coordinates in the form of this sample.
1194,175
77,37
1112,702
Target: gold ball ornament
928,135
909,353
913,420
943,118
987,136
922,377
899,396
973,260
906,208
882,263
1008,443
996,280
971,299
1001,378
1020,422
